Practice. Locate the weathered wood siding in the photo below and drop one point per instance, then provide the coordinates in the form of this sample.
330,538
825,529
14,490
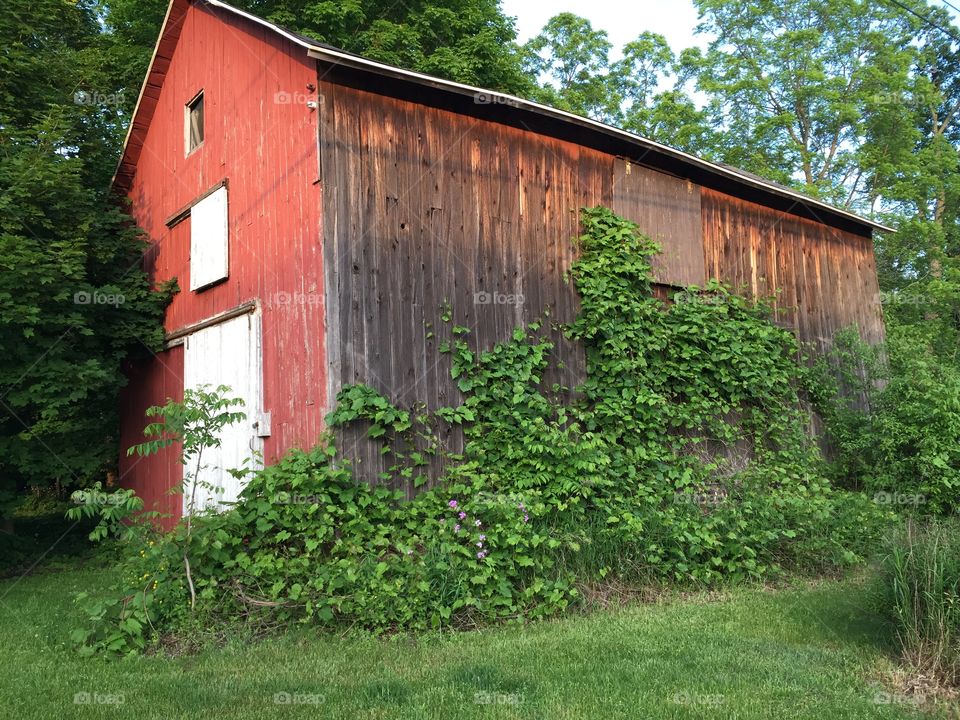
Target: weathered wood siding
668,210
824,278
425,208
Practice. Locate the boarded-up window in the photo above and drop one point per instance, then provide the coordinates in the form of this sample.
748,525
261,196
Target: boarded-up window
193,120
209,246
668,210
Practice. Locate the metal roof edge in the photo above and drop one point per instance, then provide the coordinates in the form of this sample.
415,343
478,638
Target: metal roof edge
143,88
318,51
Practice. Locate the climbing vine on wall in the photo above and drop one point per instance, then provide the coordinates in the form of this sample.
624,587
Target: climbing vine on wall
687,441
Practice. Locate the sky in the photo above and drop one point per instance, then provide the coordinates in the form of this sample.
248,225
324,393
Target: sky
623,20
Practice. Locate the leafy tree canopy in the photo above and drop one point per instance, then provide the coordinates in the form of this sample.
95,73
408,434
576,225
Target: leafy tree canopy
74,302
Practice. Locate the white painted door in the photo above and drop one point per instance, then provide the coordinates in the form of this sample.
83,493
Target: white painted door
228,353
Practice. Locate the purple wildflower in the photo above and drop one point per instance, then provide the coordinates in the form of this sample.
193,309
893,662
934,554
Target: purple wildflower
456,528
477,523
481,555
526,518
480,544
462,515
521,506
483,537
452,503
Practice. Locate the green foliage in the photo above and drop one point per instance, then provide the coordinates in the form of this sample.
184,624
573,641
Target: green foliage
643,91
682,457
195,423
919,592
797,88
897,428
122,622
74,301
162,571
410,437
572,54
710,364
469,41
307,543
112,509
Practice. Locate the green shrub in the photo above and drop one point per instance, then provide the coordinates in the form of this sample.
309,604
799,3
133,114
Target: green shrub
307,543
920,593
897,435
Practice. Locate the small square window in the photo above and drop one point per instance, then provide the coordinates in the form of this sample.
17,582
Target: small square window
193,123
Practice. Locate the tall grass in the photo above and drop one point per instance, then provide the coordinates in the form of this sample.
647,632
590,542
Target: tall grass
920,580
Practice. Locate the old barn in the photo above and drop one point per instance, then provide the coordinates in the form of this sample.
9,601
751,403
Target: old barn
318,208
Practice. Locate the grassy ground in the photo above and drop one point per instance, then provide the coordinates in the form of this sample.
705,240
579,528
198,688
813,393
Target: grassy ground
801,653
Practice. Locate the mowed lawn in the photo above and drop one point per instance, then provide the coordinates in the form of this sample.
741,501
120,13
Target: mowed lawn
809,652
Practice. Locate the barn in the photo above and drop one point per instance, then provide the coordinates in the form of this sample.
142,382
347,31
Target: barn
318,209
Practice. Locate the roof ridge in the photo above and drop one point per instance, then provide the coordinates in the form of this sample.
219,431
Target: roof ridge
323,51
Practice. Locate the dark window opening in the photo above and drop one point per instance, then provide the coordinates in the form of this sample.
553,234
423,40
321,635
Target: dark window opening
194,134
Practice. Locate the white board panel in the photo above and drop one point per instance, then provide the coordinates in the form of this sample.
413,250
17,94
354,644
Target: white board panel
209,240
228,353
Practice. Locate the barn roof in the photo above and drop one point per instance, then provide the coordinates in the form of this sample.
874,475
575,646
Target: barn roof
427,89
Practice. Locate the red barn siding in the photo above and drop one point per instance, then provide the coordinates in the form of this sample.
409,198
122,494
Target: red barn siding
153,476
267,152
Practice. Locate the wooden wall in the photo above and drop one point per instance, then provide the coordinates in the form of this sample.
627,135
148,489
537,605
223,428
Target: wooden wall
668,210
151,383
424,207
825,279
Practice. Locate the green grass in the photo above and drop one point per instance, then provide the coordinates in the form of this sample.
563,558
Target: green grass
799,653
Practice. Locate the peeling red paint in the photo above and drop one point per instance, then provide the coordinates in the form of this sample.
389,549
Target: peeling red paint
261,137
